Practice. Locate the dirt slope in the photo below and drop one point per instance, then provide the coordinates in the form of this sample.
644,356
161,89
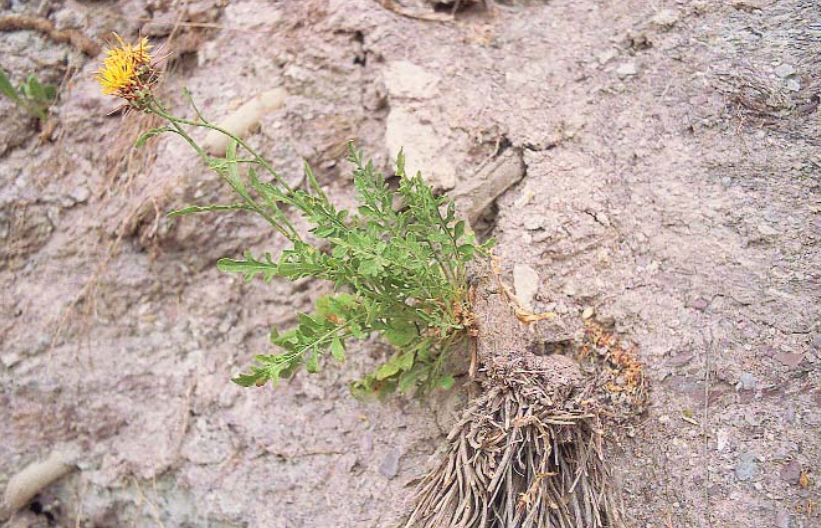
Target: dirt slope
672,184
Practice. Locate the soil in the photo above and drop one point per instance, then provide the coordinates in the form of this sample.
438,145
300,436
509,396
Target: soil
672,185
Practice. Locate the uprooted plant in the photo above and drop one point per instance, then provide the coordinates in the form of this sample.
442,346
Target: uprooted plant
527,452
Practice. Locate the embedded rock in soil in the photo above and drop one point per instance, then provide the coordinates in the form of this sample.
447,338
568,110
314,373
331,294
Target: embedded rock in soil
424,152
406,79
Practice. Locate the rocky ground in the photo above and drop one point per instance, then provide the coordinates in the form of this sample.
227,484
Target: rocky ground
671,185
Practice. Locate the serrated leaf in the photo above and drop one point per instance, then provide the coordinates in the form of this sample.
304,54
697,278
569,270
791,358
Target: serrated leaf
250,267
338,349
246,380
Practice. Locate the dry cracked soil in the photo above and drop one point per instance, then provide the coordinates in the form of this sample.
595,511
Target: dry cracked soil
672,185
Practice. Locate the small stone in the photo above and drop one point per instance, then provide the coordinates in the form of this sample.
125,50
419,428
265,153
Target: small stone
782,519
791,472
746,381
699,304
10,359
793,85
816,343
81,194
628,69
746,467
534,223
389,467
784,71
788,359
587,313
767,230
665,19
606,56
526,284
603,219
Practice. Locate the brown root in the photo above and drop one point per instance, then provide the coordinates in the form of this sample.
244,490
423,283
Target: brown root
528,451
516,460
43,25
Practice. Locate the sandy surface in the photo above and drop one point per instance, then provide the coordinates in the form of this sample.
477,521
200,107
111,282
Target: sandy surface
672,184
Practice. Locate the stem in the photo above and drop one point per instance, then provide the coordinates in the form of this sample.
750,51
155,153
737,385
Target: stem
156,108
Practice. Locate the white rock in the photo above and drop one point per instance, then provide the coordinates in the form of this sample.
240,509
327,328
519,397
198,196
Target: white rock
23,486
244,120
628,69
606,56
423,148
526,284
784,71
406,79
665,19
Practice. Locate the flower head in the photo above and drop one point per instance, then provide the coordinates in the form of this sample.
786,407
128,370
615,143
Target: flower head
127,71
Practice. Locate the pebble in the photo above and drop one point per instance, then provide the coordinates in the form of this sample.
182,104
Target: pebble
389,467
791,472
606,56
534,223
816,343
699,304
746,467
81,194
767,230
628,69
746,381
603,219
665,19
587,313
782,519
784,71
788,359
793,85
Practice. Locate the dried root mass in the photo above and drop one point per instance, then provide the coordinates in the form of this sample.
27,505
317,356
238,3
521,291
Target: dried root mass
513,461
527,452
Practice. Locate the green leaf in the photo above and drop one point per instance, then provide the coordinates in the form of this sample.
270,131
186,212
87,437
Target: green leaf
386,371
445,382
7,89
459,229
369,267
402,335
338,349
246,380
150,134
250,267
312,362
207,209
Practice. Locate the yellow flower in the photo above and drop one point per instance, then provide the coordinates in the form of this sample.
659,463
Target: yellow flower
126,70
